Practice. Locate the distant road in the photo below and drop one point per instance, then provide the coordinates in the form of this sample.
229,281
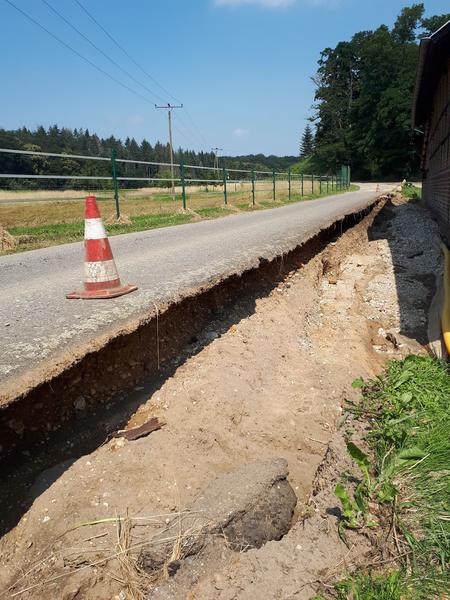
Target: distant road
37,323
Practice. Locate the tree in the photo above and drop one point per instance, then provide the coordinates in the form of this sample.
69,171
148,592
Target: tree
434,23
364,91
405,28
307,142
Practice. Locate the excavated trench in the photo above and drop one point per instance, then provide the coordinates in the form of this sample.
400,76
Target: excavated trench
76,411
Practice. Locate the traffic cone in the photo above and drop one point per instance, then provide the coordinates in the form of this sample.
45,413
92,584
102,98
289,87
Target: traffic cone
101,279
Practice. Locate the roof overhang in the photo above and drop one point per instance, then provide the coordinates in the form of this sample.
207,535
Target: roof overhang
434,56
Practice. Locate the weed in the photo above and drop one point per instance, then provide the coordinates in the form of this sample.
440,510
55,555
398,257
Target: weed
412,193
372,587
407,410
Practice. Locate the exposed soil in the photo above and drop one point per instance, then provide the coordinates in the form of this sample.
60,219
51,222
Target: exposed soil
265,380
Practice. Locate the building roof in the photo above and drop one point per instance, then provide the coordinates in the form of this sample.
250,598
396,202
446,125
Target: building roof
433,61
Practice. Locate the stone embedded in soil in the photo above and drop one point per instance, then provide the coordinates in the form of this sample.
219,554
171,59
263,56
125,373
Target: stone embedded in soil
249,507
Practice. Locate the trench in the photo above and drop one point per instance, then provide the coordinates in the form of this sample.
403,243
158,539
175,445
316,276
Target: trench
74,413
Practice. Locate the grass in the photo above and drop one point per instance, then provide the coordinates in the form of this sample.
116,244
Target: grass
42,236
55,219
412,192
408,417
213,212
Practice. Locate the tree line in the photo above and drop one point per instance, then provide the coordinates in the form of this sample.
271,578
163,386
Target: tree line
81,142
363,99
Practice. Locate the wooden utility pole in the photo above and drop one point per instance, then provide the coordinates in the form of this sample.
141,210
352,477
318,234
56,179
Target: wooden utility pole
169,107
216,151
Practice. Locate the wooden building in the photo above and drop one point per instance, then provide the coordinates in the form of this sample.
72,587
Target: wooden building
431,114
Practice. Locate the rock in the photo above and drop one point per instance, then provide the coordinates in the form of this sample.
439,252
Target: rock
249,507
211,335
80,403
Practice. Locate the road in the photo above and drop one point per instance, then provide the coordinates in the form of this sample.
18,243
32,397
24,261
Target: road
37,323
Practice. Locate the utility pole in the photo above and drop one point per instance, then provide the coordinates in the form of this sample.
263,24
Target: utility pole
169,107
216,151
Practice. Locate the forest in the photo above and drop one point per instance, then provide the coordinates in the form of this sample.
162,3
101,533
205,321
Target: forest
82,142
363,99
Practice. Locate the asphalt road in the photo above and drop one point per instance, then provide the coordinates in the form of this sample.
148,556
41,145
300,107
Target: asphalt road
37,323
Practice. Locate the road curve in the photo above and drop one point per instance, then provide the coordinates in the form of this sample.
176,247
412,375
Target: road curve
37,323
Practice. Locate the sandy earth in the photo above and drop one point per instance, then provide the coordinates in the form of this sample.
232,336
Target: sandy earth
273,385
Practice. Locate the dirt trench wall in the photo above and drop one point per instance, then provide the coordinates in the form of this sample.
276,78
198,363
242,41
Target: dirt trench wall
142,354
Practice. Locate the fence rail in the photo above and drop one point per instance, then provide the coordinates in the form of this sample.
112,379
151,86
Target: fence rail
191,182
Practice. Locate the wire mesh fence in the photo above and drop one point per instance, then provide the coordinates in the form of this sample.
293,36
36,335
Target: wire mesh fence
40,190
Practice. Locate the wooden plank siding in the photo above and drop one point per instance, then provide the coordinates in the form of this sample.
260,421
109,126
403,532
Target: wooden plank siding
436,156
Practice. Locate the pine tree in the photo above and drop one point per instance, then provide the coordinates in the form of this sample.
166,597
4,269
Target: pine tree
307,142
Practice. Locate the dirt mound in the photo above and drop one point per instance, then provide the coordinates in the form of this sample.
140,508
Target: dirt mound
122,220
7,241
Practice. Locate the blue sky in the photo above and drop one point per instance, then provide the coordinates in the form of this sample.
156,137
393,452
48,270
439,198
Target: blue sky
242,68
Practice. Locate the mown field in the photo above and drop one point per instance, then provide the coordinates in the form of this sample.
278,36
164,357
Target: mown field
40,219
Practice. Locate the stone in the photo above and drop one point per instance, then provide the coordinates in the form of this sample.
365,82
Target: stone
80,404
249,507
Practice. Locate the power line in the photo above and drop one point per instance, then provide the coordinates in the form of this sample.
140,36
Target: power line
111,60
196,129
92,64
125,52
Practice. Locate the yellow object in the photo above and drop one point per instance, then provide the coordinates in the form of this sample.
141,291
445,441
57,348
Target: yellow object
446,308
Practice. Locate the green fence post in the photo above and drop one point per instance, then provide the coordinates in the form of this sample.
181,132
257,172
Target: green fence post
273,183
183,186
303,182
320,184
289,184
312,184
253,187
328,183
115,182
225,185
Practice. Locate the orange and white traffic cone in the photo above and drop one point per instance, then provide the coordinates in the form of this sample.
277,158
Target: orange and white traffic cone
101,279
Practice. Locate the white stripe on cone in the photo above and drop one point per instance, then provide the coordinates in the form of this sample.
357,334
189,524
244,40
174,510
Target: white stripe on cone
100,271
94,229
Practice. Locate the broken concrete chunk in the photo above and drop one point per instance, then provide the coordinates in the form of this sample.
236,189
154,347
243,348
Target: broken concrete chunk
249,507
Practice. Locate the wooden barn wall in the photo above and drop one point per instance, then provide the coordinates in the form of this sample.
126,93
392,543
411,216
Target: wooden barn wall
436,185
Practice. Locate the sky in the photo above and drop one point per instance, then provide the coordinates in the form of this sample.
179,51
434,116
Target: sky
241,68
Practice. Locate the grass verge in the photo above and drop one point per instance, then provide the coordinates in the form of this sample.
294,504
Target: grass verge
406,484
49,224
42,236
412,192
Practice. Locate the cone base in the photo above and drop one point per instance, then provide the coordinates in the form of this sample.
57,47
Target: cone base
101,294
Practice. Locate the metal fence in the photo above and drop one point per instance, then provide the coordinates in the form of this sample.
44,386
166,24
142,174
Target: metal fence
43,177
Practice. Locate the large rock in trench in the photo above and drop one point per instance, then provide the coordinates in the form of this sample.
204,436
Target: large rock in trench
249,507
